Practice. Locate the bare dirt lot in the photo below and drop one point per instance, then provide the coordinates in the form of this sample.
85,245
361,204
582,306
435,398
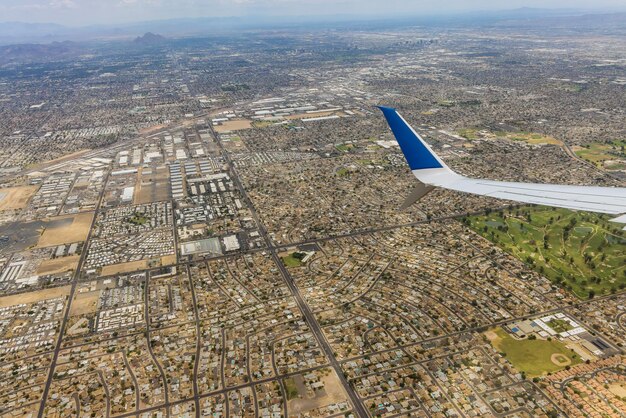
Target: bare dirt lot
320,114
618,389
152,186
58,265
35,296
66,229
130,266
332,393
85,303
16,197
168,260
233,125
124,267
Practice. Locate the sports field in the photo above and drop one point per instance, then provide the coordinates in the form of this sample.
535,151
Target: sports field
533,357
292,260
581,251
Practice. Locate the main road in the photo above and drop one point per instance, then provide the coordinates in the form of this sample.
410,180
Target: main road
64,321
357,406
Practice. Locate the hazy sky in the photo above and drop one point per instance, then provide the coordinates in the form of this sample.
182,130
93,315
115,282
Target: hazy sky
84,12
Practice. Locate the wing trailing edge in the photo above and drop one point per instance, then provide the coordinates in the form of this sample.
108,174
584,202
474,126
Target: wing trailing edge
432,172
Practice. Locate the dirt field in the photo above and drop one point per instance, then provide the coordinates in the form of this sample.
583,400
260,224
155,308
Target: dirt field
61,231
64,158
151,129
35,296
491,336
560,360
332,393
152,186
124,267
233,125
320,114
618,389
168,260
58,265
121,268
85,303
16,197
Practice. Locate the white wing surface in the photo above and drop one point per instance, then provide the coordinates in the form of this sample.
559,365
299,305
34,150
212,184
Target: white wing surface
430,170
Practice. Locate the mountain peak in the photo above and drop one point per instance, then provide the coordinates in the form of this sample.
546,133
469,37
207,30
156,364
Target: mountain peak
149,38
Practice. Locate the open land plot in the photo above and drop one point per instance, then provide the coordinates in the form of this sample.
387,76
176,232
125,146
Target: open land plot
21,235
603,154
234,125
262,123
66,229
131,266
16,197
35,296
318,114
58,265
533,357
468,133
583,252
300,402
85,303
152,186
534,139
291,388
168,260
124,267
618,389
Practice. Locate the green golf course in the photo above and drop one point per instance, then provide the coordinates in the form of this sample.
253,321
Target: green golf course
582,252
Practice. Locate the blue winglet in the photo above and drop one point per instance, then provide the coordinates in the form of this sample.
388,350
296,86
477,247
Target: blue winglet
415,151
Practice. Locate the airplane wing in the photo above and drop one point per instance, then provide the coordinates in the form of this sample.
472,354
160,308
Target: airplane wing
432,172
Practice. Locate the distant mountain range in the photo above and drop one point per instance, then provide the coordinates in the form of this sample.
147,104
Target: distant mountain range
19,32
38,52
33,52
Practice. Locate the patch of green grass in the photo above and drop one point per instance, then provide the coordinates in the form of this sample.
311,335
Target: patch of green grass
574,87
615,166
138,219
468,133
262,123
582,252
344,147
533,138
446,103
559,325
290,387
294,259
532,357
599,152
342,172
